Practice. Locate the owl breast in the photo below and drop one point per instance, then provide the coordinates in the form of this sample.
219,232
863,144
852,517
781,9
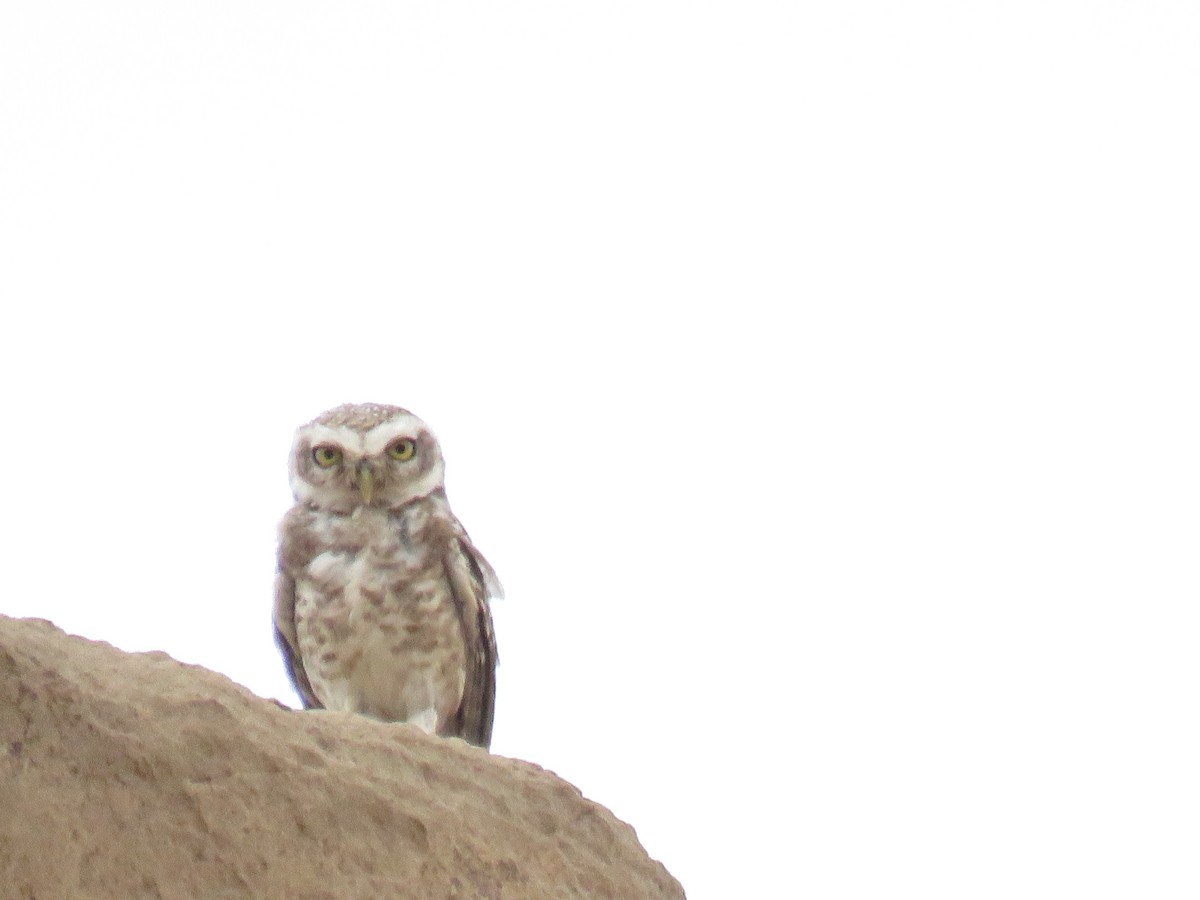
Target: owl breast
376,620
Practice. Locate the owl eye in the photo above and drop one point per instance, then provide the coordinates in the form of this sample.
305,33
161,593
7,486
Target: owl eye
402,449
325,456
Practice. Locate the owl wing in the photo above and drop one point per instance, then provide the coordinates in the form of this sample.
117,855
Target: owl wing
285,638
472,582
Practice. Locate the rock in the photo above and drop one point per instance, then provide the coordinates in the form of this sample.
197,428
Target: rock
132,775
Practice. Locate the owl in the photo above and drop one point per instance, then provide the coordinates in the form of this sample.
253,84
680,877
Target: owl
381,599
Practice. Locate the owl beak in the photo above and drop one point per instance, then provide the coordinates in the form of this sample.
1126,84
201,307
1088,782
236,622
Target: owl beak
366,484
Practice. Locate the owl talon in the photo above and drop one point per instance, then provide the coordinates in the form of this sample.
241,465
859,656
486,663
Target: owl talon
426,720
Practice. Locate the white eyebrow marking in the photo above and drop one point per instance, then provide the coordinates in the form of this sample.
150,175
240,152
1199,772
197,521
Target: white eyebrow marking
405,426
346,438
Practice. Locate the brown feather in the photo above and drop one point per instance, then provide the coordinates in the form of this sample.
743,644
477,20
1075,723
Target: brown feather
464,567
285,639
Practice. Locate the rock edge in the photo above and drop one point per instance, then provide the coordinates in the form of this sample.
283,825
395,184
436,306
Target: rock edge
133,775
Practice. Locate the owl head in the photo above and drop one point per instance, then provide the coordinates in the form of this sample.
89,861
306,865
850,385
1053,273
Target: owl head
364,454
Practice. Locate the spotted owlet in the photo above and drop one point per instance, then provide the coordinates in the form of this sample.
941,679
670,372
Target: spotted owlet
381,599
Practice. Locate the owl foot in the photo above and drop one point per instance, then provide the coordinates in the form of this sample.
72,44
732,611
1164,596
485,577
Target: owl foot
425,719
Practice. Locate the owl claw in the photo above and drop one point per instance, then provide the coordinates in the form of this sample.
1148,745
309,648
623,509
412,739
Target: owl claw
426,719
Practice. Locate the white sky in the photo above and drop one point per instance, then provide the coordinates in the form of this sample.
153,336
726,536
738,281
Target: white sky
820,378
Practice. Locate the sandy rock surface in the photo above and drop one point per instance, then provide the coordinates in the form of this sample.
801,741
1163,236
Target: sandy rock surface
132,775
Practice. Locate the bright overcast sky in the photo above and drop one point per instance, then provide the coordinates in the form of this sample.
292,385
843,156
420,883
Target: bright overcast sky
820,378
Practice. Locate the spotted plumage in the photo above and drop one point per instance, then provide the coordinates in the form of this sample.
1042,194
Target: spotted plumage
381,599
